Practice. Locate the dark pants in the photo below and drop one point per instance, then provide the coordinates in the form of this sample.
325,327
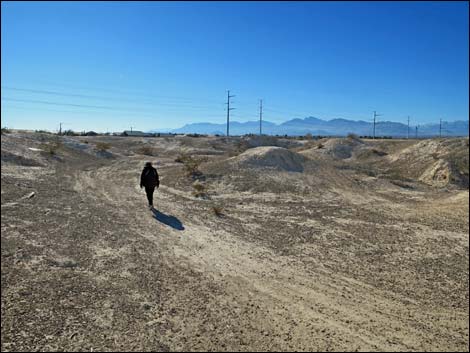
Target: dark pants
149,190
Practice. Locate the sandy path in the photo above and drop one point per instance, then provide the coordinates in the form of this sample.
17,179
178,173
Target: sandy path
263,301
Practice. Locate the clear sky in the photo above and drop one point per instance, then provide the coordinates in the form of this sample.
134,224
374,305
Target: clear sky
108,66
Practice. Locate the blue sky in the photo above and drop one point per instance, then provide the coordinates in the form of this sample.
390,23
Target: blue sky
108,66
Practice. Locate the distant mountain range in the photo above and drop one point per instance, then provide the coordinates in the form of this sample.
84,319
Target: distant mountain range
335,127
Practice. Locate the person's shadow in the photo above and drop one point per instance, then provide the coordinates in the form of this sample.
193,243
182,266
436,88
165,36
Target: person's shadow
171,221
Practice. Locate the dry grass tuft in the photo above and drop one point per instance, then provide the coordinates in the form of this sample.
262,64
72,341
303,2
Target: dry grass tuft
217,210
147,150
199,189
102,146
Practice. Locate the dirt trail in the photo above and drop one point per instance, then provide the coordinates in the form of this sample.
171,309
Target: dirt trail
314,309
277,272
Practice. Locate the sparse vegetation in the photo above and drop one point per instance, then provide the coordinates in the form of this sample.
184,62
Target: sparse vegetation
181,158
242,146
199,189
5,130
102,146
459,160
217,210
70,133
51,147
191,165
353,136
147,150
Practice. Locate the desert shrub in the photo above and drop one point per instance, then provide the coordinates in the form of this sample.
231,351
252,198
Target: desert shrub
51,147
181,158
395,174
196,135
242,146
460,161
146,150
309,136
217,210
102,146
320,145
199,189
370,153
5,130
379,153
191,165
353,136
70,133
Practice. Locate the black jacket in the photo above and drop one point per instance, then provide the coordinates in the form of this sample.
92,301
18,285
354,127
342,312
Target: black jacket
149,177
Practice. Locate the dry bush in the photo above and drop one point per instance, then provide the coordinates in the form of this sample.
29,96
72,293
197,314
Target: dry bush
5,130
102,146
181,158
242,146
146,150
460,161
51,147
353,136
217,210
199,189
191,165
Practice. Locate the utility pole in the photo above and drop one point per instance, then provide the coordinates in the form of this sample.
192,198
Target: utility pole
260,116
60,128
408,131
228,111
440,127
375,116
416,134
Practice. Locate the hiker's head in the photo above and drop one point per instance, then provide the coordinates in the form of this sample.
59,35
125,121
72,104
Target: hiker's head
148,164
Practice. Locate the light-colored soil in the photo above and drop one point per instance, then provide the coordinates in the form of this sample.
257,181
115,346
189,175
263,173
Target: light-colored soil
337,255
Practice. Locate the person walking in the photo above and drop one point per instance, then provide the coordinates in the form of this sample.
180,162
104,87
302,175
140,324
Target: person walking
149,179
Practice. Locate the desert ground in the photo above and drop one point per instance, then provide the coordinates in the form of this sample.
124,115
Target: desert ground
256,244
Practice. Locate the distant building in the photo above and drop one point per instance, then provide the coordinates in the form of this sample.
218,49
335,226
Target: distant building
137,134
164,134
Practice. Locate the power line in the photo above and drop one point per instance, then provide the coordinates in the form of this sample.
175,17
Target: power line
408,131
102,113
178,104
228,111
260,116
55,103
140,93
375,116
75,105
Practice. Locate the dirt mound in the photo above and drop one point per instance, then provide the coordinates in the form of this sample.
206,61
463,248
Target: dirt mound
438,174
258,141
92,149
12,158
270,157
338,148
22,149
436,162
